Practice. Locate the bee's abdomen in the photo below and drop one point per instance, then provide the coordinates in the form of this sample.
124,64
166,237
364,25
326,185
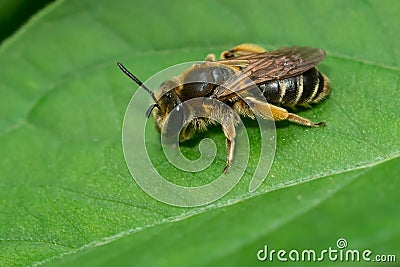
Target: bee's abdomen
307,88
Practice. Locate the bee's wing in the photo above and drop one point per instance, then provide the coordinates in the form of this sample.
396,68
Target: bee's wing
269,66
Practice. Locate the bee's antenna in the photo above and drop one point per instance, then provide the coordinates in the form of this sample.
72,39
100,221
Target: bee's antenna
136,80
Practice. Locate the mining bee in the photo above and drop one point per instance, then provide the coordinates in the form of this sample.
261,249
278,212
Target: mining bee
285,78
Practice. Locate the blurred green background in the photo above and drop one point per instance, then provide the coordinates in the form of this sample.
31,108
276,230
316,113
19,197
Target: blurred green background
14,13
67,197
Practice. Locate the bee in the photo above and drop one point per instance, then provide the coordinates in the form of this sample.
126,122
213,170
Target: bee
285,78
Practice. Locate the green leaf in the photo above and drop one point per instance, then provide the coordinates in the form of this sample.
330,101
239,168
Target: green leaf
67,196
312,215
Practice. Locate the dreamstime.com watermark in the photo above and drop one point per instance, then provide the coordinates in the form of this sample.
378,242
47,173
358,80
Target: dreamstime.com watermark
339,253
140,164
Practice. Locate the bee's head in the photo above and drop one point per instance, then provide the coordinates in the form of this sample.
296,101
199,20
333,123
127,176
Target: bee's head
168,101
163,105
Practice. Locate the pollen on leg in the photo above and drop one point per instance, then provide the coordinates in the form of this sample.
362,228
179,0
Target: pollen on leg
246,49
210,57
241,50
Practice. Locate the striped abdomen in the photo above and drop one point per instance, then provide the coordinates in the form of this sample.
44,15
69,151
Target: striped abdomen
308,88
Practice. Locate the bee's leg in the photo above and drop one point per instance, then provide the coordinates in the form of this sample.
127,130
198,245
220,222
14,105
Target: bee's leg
303,121
241,50
187,132
278,114
228,127
210,57
282,114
